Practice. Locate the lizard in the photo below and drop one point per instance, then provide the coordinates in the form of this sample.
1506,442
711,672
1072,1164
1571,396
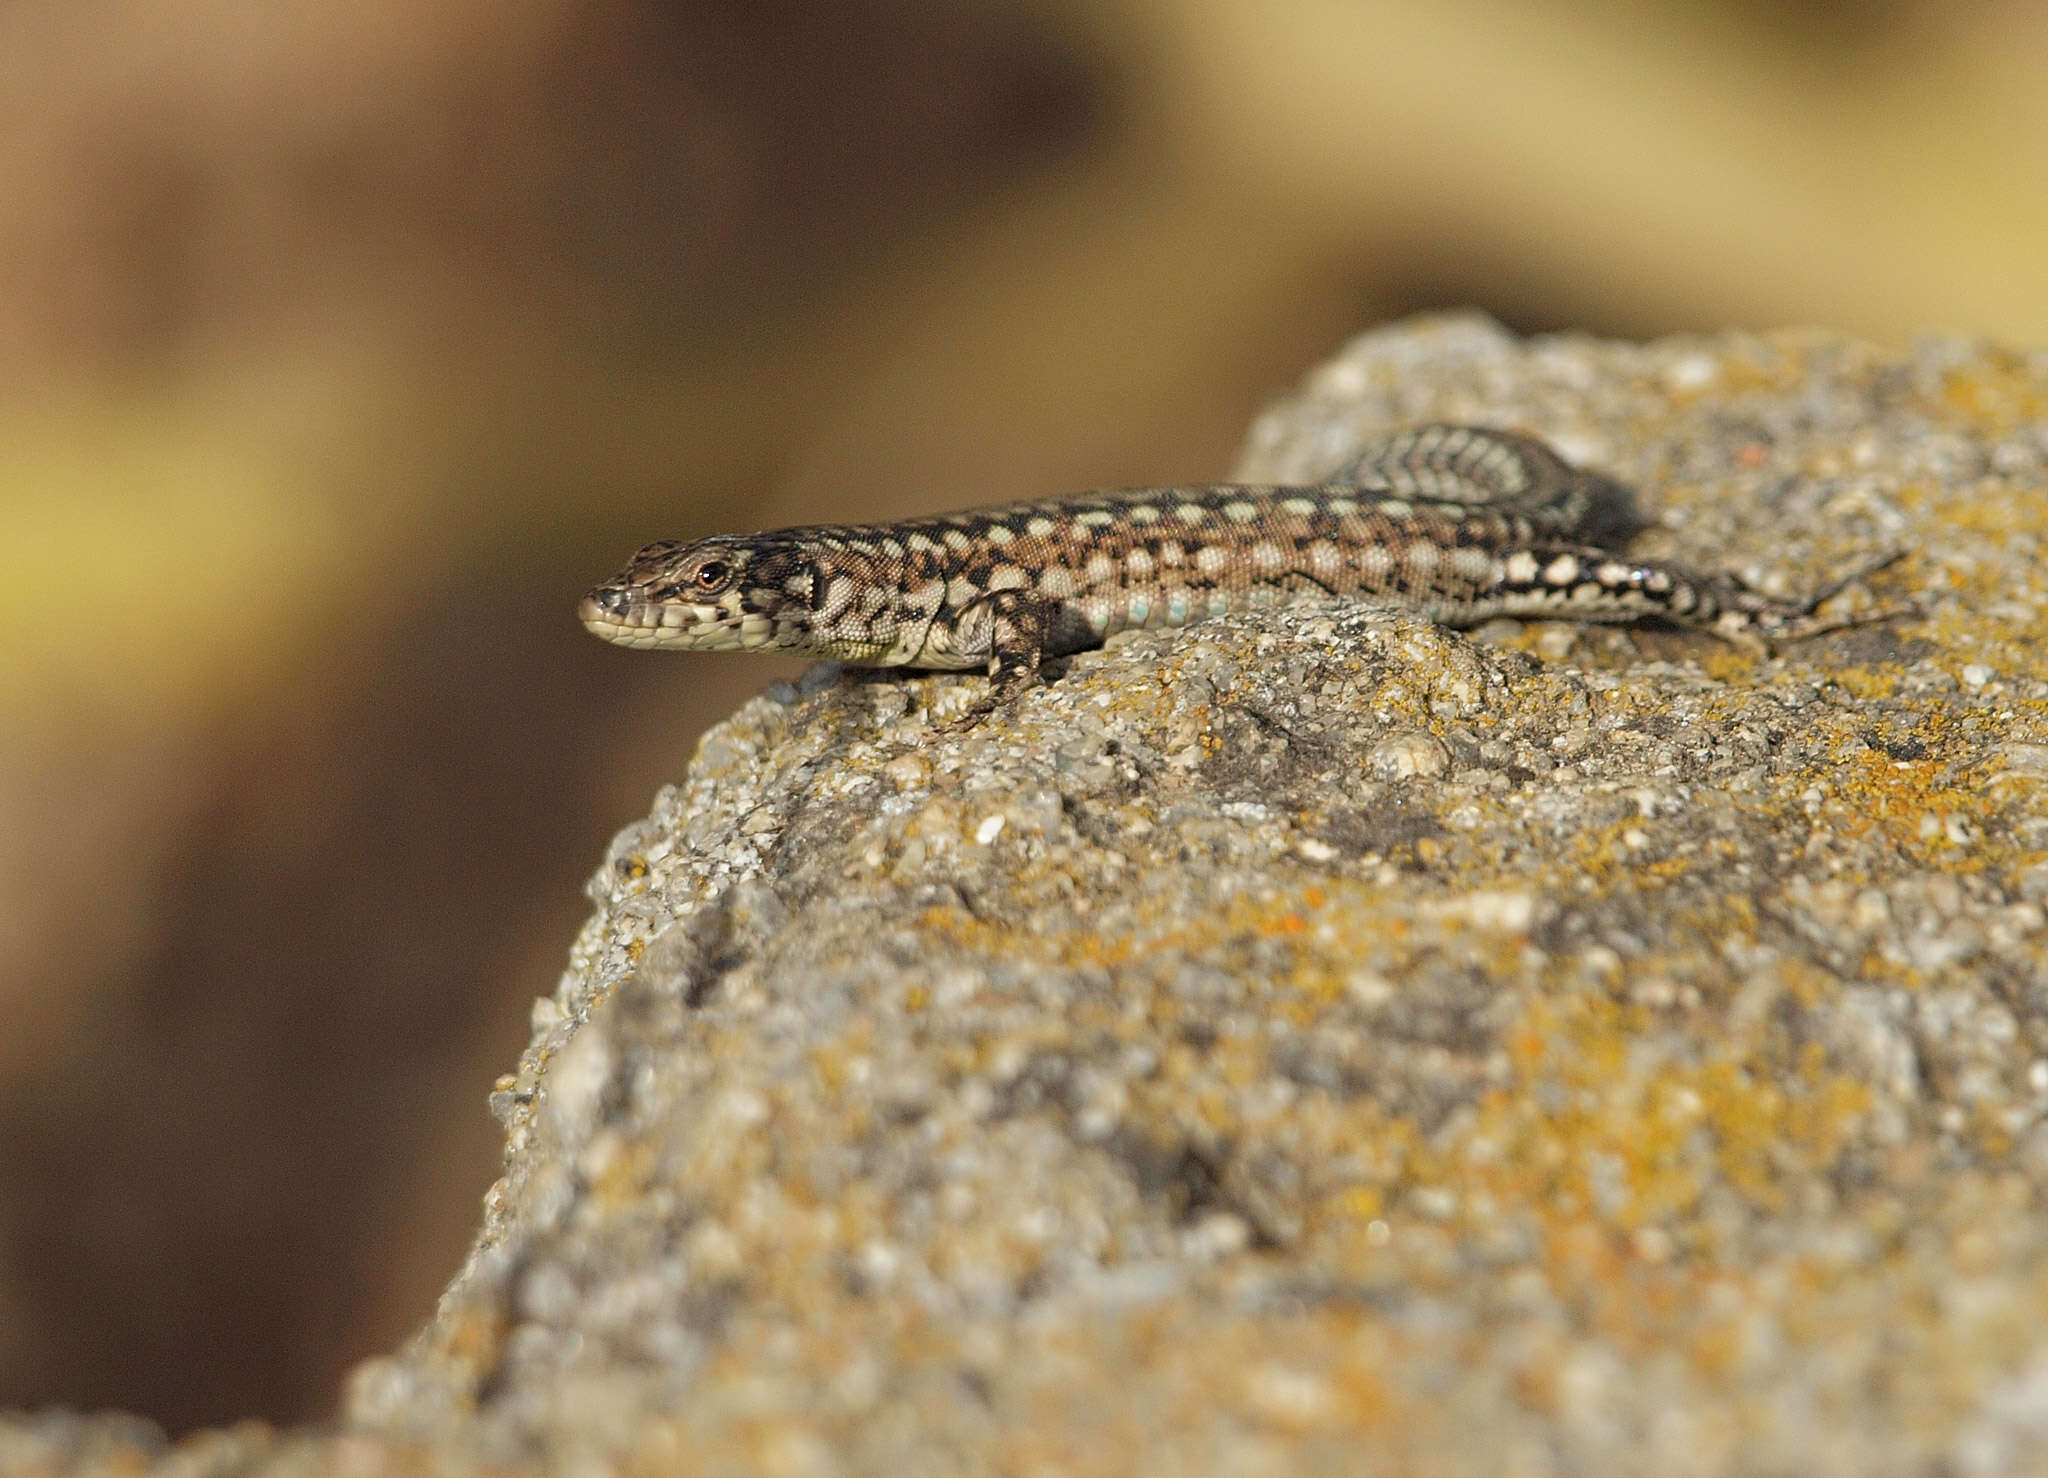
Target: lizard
1460,523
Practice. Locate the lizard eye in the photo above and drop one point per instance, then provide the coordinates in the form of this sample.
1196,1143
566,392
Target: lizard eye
712,575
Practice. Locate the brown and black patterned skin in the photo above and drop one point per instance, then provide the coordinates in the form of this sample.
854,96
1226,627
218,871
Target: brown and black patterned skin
1461,523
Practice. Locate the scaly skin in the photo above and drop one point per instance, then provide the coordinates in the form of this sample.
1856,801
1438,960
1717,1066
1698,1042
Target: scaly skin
1459,523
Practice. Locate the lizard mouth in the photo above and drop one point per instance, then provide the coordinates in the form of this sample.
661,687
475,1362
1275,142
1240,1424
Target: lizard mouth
620,615
623,617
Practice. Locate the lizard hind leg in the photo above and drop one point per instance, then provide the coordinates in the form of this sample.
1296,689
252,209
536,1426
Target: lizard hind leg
1020,632
1747,614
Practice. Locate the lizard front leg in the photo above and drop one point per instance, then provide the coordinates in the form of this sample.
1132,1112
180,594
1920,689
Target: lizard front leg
1012,629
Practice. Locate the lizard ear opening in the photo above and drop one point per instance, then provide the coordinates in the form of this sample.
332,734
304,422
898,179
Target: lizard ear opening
787,578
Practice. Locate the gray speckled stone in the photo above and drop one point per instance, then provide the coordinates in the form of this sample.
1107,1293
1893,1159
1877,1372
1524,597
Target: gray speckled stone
1321,1042
1318,1038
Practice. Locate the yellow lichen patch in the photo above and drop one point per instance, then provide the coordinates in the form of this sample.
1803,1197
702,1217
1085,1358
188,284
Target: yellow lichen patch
1806,983
1878,680
1721,920
1758,1124
1996,510
1917,806
1594,1125
834,1063
1356,1203
2001,393
1761,366
1603,855
1539,1131
1381,1153
1725,662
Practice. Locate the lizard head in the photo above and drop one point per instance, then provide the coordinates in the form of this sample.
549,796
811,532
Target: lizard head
723,594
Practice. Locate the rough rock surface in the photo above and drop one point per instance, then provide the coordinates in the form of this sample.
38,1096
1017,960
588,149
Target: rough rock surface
1321,1042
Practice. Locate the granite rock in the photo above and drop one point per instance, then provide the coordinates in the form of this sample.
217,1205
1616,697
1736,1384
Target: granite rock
1319,1041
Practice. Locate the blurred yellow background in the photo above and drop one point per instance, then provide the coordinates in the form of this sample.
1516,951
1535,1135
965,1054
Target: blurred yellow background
343,345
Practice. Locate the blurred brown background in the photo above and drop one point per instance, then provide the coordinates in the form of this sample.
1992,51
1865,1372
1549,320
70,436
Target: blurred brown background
343,344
